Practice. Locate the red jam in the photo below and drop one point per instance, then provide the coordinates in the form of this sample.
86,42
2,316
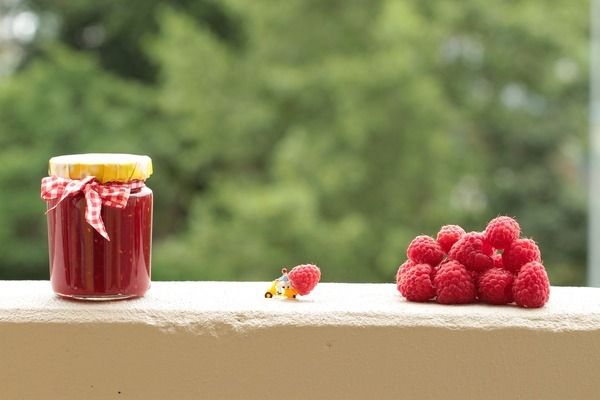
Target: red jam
84,265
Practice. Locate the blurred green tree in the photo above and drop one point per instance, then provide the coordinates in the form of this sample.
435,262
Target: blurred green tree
330,132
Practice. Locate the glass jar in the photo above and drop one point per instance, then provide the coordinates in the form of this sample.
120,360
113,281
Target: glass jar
99,225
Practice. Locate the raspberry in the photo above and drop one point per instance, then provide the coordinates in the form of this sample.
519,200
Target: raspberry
520,252
406,264
502,231
495,286
531,288
415,282
424,250
497,259
448,235
304,278
454,284
473,251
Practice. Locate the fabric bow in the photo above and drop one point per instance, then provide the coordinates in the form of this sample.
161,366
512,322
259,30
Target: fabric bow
96,194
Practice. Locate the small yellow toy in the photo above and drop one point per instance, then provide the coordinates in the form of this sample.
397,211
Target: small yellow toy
300,281
281,287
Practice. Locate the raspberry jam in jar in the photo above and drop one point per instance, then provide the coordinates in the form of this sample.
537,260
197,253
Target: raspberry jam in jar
99,225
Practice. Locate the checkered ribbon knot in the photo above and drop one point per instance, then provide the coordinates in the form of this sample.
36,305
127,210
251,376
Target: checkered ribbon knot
96,195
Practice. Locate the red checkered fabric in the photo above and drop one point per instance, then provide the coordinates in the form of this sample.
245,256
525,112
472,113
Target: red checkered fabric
113,194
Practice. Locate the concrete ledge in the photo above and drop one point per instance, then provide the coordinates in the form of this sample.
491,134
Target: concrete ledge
223,340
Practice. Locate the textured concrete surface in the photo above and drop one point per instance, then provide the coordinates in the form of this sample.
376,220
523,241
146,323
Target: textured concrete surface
223,340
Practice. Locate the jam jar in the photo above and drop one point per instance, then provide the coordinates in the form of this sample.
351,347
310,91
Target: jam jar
99,214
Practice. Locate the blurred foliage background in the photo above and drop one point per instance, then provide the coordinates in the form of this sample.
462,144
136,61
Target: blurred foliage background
299,131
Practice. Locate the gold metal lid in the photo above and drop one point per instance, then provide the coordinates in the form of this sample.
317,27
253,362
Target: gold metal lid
106,167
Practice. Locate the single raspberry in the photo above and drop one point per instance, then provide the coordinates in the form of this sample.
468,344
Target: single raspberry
454,285
415,283
407,263
473,251
425,250
520,252
304,278
448,235
495,286
531,288
502,231
497,259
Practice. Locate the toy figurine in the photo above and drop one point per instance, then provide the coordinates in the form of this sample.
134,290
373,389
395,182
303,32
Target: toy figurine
283,280
301,280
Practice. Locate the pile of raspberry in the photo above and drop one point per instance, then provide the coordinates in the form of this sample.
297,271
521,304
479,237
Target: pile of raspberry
495,266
